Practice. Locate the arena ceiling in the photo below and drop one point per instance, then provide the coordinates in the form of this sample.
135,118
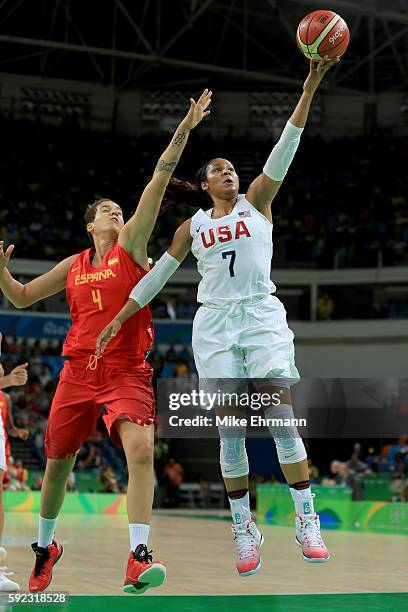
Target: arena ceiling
233,44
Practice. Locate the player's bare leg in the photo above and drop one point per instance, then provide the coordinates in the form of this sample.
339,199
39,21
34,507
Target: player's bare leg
289,444
5,583
138,443
47,550
54,486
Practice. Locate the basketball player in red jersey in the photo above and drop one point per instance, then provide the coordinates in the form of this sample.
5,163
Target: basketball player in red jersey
18,376
97,283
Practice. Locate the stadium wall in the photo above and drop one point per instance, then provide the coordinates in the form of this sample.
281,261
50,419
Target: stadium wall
336,510
274,506
344,113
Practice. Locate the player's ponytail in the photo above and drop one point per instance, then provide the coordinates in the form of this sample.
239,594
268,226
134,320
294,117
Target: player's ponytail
184,193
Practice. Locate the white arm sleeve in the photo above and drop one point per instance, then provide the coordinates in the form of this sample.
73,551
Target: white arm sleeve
150,285
283,153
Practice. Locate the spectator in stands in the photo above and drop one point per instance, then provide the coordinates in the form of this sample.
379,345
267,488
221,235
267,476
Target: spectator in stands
13,483
313,471
37,483
71,483
205,491
182,369
339,473
401,462
398,486
366,224
109,483
355,465
325,308
21,475
174,473
89,457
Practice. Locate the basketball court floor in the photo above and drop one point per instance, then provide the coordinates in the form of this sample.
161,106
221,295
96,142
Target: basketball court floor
366,570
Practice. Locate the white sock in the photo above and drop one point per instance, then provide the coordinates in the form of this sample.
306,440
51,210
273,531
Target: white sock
46,530
240,509
303,501
138,534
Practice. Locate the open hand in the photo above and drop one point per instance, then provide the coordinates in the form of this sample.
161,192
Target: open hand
106,335
197,110
317,72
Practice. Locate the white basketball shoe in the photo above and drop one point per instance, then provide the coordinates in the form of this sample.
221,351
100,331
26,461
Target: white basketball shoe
6,585
308,536
248,541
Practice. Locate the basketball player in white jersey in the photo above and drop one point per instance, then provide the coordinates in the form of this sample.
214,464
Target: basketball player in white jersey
17,377
240,331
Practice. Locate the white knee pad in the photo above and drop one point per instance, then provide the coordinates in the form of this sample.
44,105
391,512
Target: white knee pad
233,457
290,450
289,444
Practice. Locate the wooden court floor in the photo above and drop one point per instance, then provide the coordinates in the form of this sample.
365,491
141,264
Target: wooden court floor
199,554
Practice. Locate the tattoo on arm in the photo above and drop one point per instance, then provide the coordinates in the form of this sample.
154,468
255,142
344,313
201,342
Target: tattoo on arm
163,166
179,139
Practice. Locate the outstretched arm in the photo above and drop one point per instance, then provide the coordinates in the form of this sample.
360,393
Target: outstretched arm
136,233
264,188
150,285
39,288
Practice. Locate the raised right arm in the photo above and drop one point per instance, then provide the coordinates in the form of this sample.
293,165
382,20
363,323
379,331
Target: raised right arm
39,288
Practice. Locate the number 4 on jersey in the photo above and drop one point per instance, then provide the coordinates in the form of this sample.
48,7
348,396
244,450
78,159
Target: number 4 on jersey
231,254
97,298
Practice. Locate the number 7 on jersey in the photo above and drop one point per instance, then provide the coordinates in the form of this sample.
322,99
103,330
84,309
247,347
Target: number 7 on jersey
233,255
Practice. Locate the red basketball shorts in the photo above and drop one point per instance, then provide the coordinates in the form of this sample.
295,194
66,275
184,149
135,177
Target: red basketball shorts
81,395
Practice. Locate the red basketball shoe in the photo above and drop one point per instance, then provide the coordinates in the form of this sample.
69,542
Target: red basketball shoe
248,541
142,572
309,538
47,557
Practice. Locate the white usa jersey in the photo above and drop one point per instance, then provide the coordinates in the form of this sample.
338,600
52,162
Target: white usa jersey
234,254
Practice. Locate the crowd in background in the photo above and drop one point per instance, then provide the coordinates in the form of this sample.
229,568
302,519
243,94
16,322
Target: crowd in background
107,465
354,213
31,405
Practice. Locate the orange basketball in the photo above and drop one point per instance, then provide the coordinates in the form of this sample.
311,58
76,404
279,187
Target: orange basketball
322,33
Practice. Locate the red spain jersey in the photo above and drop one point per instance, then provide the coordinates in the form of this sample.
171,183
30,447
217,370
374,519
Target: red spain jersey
95,296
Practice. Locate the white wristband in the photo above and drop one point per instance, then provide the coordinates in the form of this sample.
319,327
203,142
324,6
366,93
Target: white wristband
150,285
283,153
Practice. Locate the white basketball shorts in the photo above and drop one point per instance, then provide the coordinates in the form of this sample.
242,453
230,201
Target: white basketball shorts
249,339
